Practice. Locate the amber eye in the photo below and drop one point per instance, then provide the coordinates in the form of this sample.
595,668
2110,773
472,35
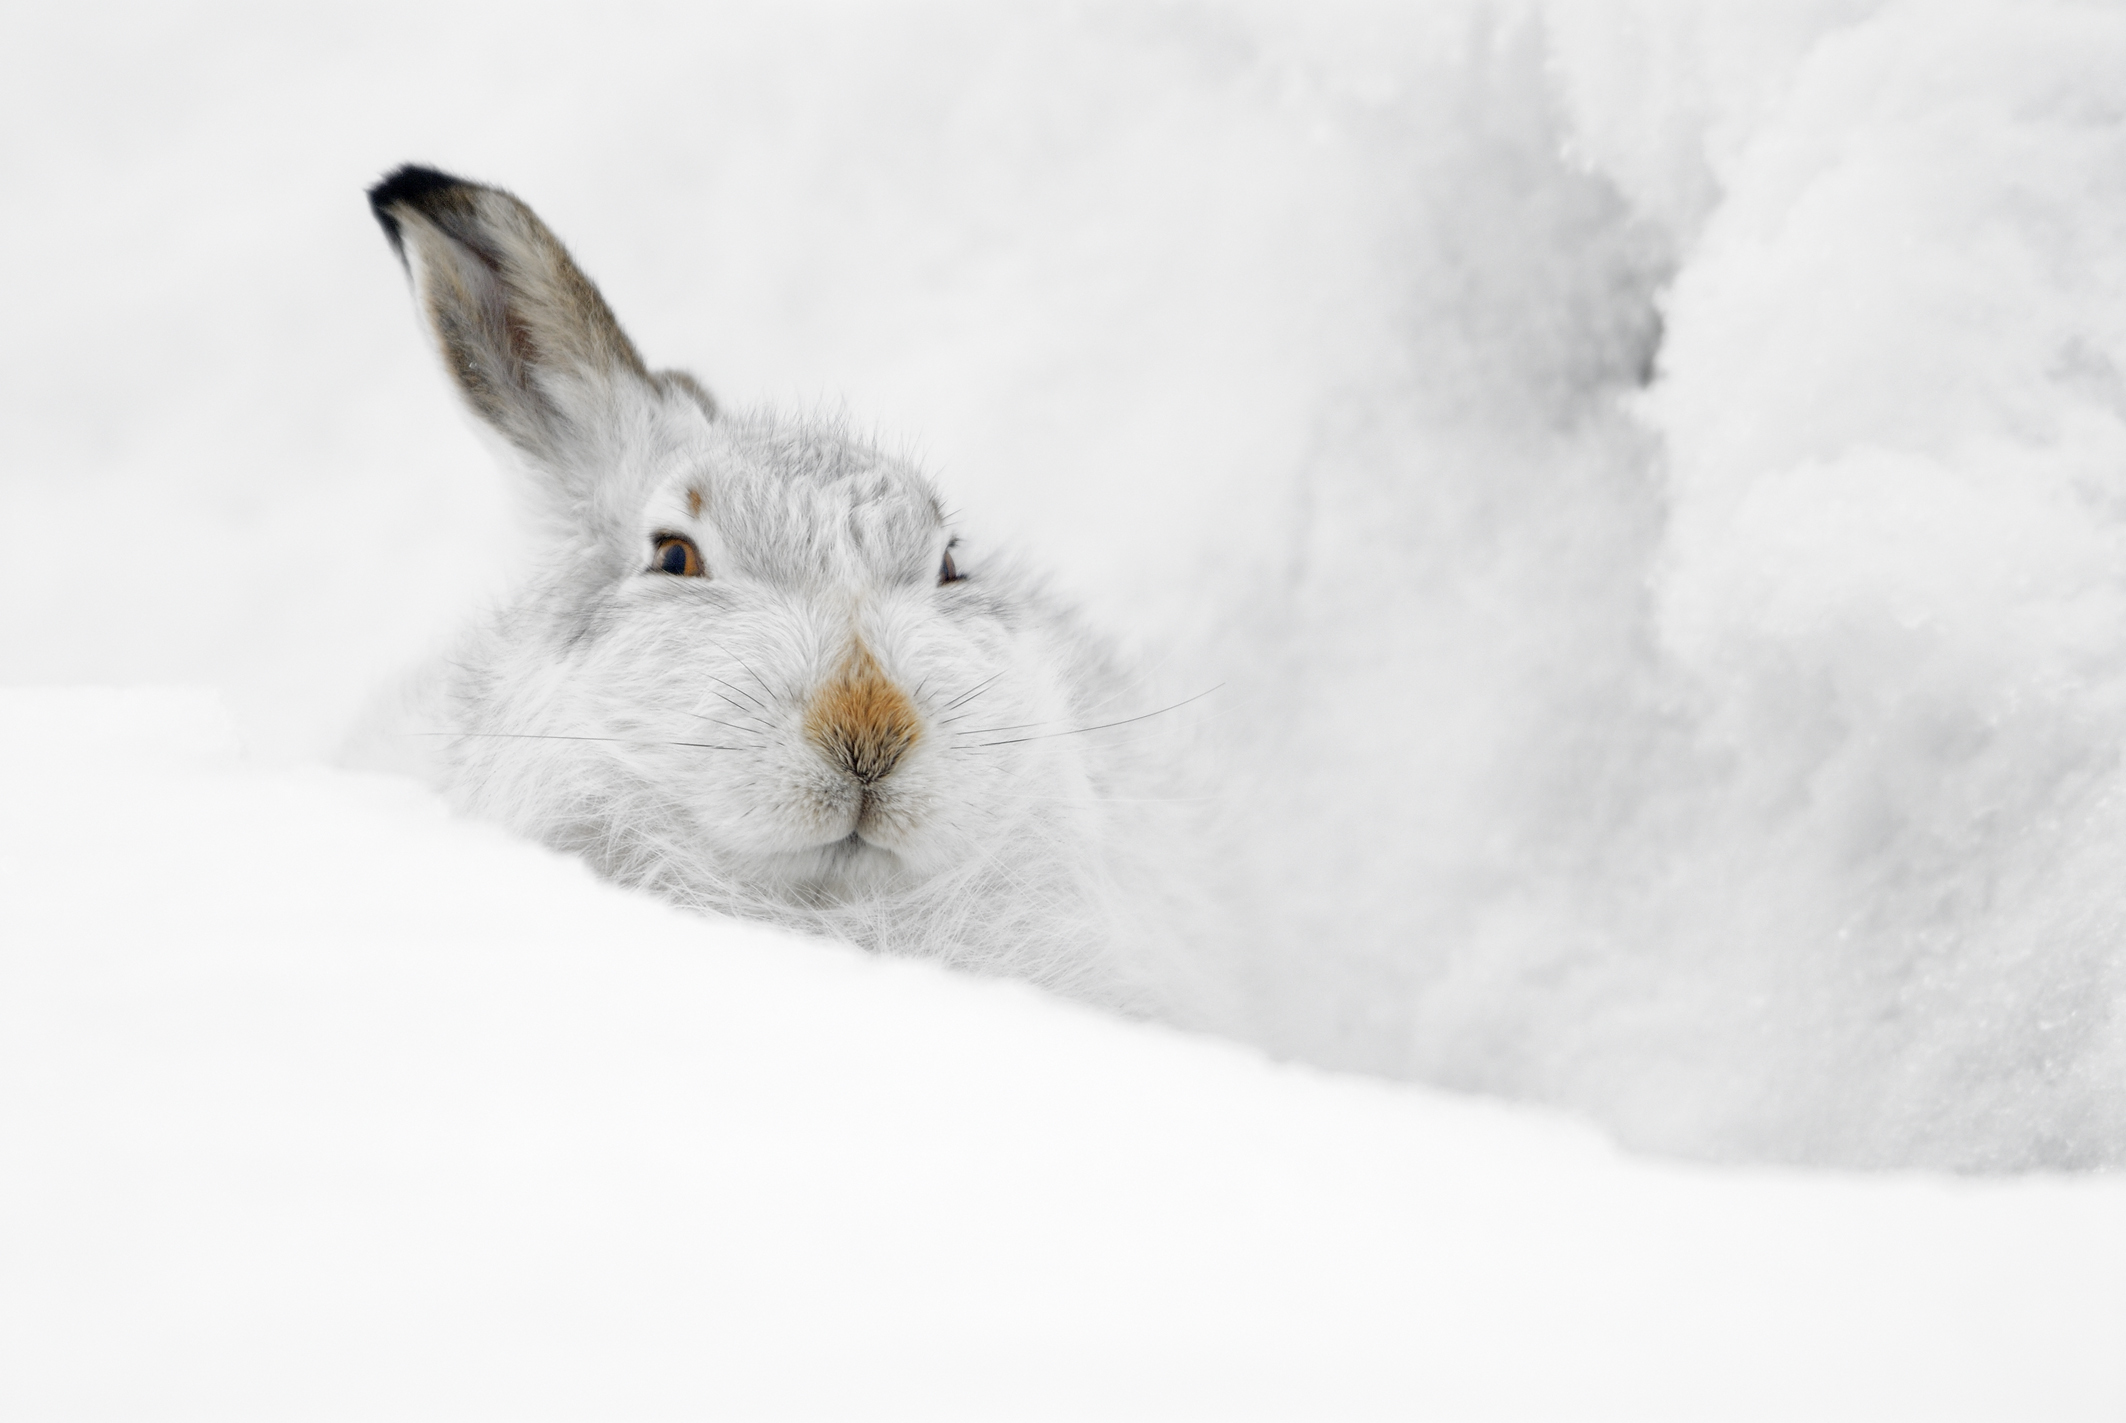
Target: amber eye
947,571
676,554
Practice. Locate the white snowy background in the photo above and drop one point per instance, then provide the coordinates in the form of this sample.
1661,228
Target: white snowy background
1731,756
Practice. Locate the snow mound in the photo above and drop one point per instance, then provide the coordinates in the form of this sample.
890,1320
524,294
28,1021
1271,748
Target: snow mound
1647,474
1737,757
317,1100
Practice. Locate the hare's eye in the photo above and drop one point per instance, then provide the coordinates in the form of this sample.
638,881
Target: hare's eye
676,554
947,571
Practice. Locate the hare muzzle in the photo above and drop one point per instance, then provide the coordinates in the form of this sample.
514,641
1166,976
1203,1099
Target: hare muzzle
860,721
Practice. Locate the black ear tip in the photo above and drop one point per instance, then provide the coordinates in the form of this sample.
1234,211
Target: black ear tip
408,183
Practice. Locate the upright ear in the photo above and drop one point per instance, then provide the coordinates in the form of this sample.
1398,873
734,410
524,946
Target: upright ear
530,342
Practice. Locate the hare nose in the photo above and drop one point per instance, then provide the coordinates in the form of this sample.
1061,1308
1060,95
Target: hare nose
860,721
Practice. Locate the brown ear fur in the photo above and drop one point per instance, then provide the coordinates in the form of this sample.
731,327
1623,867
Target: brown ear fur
527,337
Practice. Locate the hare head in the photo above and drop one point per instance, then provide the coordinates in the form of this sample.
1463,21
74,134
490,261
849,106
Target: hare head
753,669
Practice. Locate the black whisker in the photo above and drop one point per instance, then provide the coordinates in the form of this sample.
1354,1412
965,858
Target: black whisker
558,736
1103,726
970,691
743,693
758,679
728,725
949,720
751,673
754,723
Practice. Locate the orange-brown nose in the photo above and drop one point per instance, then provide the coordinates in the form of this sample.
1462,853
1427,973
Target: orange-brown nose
860,721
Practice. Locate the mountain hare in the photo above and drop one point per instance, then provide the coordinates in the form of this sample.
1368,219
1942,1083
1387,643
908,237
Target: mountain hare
755,671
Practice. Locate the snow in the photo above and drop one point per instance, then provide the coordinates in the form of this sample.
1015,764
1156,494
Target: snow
321,1101
1730,759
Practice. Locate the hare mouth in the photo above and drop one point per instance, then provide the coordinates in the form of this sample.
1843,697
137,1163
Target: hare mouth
852,862
853,844
866,841
857,843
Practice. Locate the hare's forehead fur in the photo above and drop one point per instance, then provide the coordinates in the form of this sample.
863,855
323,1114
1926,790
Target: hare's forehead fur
794,501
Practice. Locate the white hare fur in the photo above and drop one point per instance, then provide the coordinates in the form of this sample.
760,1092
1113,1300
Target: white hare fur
822,717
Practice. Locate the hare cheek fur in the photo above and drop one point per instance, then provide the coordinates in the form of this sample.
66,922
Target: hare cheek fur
817,715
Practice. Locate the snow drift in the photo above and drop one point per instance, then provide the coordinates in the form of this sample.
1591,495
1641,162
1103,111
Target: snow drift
1756,785
318,1101
1648,476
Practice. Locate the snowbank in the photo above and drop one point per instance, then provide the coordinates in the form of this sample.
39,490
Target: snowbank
319,1101
1732,757
1647,474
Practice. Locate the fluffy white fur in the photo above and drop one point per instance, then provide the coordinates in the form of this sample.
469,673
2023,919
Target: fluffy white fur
656,725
